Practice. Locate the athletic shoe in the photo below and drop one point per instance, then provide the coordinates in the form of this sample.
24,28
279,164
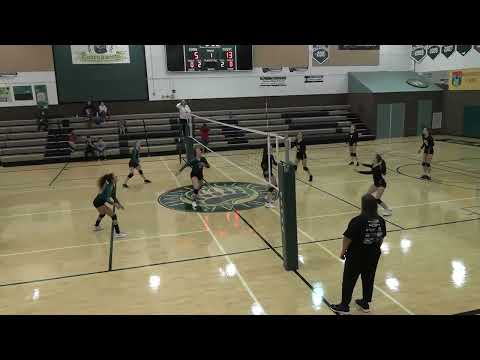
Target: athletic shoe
269,205
146,181
125,186
428,178
97,228
358,164
424,177
310,178
363,305
351,163
120,235
340,309
387,212
194,205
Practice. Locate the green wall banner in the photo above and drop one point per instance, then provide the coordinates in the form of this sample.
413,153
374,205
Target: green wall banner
41,95
5,94
23,93
100,54
448,50
418,53
464,49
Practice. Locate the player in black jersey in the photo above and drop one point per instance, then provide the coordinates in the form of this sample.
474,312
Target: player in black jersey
197,164
134,164
107,195
379,169
301,154
352,140
272,194
427,146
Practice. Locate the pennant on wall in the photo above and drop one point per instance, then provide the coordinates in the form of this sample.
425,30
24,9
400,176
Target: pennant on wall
448,50
433,51
464,49
418,53
320,53
477,47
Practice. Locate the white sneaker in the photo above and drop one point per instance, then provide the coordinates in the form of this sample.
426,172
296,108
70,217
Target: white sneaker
269,205
387,212
120,235
97,228
194,205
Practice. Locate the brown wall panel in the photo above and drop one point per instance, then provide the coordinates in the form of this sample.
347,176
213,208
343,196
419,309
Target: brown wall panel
280,55
25,58
350,57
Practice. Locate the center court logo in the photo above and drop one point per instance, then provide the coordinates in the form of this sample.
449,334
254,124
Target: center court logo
216,197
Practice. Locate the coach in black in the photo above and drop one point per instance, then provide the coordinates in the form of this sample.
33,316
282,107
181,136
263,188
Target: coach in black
361,251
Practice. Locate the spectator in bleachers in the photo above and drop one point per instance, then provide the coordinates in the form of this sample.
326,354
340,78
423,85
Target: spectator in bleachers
100,146
204,130
89,147
103,112
72,140
42,120
89,111
122,126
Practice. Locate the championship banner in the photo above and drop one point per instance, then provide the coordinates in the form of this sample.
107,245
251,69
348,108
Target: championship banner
433,51
41,95
5,94
100,54
448,50
464,49
358,47
467,79
320,53
418,53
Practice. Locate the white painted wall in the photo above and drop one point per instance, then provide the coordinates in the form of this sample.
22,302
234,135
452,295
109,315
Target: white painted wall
31,78
244,84
455,62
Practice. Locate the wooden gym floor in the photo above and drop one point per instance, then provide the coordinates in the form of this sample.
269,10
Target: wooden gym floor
173,262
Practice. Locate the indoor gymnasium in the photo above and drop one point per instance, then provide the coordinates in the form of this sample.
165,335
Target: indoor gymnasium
240,179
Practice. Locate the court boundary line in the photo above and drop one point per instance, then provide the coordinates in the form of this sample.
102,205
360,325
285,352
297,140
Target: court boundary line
130,268
59,173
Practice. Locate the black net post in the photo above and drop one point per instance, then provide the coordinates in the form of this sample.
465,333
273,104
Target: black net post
288,214
188,141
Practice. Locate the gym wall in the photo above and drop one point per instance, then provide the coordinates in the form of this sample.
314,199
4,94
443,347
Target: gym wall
115,82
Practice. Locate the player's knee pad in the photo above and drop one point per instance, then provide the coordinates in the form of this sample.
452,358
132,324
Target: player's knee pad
195,191
424,163
354,154
130,175
295,167
140,172
101,216
427,164
305,168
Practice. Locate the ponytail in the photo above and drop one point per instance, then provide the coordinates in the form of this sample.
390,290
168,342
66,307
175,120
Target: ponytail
103,180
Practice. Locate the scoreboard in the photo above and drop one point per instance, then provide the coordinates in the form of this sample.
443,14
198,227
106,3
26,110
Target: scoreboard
197,58
210,57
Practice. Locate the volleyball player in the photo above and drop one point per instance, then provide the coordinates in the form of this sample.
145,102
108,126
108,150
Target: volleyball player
134,164
271,195
197,164
108,186
379,169
427,146
352,140
301,155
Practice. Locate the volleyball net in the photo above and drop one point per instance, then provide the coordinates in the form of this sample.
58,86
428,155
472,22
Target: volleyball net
244,153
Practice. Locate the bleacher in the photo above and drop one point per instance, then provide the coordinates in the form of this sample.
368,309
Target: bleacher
22,144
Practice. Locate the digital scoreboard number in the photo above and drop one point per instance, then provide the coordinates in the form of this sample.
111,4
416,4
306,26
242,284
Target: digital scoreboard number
210,57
